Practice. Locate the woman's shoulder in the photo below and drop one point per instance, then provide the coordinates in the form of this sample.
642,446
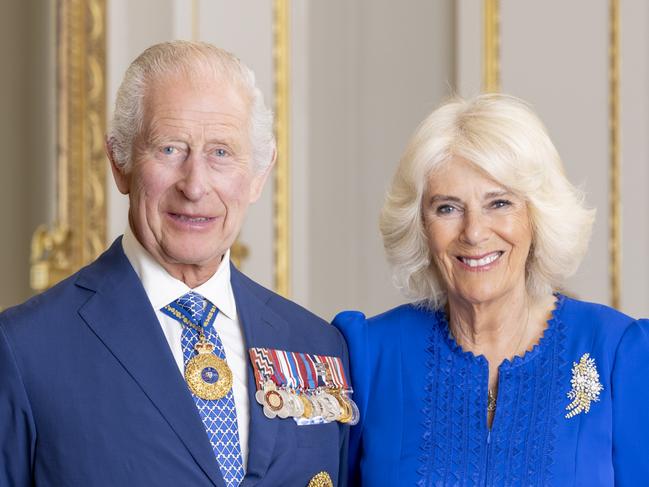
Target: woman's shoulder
598,325
596,316
354,322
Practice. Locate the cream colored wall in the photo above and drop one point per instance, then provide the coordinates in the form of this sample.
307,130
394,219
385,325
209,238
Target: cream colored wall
634,87
26,138
376,70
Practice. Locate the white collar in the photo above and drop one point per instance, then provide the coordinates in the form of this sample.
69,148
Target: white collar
162,288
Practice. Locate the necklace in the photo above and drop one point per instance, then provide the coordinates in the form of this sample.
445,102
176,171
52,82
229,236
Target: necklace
492,397
491,401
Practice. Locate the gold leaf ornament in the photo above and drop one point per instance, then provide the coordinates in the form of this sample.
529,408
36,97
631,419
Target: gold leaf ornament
585,386
322,479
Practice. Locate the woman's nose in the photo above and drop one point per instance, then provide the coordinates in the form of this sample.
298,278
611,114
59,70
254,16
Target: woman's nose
476,227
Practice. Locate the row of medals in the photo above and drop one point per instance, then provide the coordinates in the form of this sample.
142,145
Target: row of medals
330,404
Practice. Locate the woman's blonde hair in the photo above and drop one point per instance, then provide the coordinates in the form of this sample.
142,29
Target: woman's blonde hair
502,136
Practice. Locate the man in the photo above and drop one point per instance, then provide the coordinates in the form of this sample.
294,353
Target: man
135,370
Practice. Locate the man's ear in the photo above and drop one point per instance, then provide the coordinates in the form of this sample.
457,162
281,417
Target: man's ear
260,177
122,179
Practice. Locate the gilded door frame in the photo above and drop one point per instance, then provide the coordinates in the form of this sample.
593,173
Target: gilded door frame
78,233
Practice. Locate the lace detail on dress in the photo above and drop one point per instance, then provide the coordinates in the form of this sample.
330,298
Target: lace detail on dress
457,448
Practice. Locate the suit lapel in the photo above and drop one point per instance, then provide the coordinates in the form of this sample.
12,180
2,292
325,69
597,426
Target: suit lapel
121,316
262,327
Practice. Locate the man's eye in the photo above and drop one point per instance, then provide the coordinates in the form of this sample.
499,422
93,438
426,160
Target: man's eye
169,150
221,152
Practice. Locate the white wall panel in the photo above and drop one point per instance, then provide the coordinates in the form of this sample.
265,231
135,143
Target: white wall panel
557,61
377,69
634,82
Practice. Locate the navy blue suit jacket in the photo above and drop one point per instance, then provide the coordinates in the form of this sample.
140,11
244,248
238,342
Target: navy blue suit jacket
90,394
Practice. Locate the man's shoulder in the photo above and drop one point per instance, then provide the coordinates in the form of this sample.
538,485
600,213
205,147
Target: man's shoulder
300,320
279,304
62,301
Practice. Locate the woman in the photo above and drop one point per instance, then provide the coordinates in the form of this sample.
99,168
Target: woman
491,376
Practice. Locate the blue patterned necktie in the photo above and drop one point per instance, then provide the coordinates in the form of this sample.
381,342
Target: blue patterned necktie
219,416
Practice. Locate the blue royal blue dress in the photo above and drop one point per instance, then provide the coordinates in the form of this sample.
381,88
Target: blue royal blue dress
423,403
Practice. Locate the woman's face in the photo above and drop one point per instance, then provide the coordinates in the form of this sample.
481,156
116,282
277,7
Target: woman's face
478,231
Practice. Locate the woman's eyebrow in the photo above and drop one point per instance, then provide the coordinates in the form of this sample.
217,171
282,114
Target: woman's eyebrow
496,194
444,197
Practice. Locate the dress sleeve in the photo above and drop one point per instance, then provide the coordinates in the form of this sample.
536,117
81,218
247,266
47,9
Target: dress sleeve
353,326
17,430
630,392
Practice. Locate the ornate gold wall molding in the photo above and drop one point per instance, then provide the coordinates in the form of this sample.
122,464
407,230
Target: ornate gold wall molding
614,148
491,46
281,52
78,234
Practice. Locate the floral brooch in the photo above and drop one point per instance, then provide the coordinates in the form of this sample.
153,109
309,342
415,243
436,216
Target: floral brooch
585,386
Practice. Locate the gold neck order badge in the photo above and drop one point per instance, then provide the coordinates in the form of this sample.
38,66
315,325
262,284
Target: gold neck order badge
207,375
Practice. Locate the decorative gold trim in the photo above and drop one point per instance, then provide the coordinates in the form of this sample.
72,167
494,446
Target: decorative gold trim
615,237
79,231
491,46
281,39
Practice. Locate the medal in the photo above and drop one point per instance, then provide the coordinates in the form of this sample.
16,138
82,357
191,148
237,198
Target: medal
295,404
284,411
311,389
331,409
207,375
308,407
345,408
270,398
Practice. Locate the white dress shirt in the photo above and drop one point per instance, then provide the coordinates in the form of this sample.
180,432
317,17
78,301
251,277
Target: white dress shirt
161,289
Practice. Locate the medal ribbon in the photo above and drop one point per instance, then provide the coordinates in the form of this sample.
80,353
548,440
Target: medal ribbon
262,366
338,367
337,372
310,371
293,369
295,373
278,377
312,360
285,367
301,370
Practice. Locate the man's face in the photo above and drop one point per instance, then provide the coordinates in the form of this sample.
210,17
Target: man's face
192,175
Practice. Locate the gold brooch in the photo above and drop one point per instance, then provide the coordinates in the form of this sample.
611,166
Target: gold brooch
585,386
321,479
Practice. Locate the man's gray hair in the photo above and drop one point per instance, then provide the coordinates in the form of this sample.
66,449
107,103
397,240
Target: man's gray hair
191,59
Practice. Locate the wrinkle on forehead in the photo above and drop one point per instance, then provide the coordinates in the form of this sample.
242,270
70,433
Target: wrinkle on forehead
172,129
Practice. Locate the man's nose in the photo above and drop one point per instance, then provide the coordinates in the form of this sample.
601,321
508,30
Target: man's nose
476,227
192,182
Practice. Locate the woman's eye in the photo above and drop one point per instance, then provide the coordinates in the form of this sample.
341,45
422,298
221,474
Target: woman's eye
501,203
220,152
445,210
